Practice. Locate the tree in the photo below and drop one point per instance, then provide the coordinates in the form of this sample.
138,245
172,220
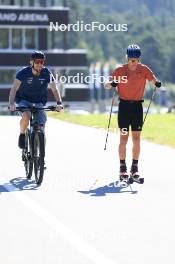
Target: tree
151,53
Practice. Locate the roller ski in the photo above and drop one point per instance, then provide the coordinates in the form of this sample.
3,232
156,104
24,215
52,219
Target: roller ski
135,177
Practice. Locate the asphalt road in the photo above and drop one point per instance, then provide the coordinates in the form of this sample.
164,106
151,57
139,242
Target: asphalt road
80,215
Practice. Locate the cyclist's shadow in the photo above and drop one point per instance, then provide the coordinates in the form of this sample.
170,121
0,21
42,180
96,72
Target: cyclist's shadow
18,184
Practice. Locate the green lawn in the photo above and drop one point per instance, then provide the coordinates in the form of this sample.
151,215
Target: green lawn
159,128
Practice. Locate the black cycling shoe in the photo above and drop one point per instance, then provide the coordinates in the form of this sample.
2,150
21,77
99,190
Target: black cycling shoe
21,141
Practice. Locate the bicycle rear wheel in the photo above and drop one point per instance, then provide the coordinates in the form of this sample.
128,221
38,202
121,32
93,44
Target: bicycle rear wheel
38,156
26,156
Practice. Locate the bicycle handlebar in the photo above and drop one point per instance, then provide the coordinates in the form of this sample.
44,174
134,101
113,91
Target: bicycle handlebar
33,108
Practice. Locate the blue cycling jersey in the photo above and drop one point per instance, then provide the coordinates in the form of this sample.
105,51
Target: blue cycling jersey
33,88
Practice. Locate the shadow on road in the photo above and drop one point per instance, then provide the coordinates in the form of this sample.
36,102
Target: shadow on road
113,187
18,184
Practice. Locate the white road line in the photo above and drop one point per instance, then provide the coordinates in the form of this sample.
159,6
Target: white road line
67,234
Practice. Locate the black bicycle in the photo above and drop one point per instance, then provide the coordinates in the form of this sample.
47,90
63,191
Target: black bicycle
33,154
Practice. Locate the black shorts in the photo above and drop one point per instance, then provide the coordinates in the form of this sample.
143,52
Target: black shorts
130,114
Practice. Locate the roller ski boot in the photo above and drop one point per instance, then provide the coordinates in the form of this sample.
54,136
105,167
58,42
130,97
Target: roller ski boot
135,177
123,175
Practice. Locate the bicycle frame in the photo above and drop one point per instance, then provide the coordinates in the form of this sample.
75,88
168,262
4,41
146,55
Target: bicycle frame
35,125
34,152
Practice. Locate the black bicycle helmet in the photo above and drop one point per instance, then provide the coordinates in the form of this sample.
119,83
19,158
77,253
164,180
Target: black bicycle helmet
37,54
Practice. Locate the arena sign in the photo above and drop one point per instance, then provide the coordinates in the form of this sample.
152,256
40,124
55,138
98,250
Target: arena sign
32,16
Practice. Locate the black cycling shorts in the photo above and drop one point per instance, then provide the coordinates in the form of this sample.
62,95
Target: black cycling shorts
130,114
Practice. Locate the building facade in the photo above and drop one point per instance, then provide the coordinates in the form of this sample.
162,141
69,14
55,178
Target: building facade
24,27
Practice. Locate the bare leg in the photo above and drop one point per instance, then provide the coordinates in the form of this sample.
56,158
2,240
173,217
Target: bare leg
24,122
135,152
122,155
122,145
136,144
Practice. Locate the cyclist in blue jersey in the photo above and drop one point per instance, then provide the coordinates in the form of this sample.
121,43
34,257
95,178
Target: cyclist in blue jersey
31,87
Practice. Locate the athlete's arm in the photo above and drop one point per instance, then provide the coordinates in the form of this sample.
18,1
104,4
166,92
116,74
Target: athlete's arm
151,77
14,89
57,95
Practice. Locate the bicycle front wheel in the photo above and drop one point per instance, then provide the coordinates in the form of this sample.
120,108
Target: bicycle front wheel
27,157
38,156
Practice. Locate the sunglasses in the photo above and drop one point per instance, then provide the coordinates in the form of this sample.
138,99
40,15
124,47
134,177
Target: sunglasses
133,60
39,61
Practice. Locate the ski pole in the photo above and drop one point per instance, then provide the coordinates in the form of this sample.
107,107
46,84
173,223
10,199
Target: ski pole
152,97
112,103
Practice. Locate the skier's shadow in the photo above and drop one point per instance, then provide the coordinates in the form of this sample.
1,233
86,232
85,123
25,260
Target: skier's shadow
18,184
113,187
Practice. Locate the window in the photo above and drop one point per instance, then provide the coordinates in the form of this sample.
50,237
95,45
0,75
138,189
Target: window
16,39
33,2
58,2
6,2
30,39
18,2
26,3
7,76
40,2
4,39
55,40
